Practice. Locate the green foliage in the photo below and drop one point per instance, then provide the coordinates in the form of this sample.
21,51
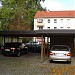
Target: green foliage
1,40
18,14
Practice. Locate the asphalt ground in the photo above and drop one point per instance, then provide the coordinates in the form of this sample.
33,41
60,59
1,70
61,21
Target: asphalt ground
30,64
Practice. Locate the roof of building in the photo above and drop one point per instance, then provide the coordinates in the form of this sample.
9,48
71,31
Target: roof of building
55,14
38,33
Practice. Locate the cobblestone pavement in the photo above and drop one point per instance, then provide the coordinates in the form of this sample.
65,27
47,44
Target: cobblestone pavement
30,64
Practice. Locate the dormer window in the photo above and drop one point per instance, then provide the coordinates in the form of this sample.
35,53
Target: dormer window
40,20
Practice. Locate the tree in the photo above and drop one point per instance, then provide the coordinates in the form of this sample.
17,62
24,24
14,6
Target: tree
18,14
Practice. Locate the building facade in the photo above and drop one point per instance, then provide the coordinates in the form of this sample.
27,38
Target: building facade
54,20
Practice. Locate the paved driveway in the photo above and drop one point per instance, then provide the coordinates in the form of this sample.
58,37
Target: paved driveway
30,64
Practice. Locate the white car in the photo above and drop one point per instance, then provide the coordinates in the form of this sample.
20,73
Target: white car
60,53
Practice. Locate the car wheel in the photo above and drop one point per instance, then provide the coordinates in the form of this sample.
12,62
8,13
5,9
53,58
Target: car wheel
18,54
27,52
4,54
51,61
69,62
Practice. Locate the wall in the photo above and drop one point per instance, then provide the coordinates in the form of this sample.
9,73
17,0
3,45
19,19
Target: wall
65,23
12,39
60,23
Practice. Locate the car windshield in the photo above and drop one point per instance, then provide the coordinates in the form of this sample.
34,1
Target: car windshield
33,43
60,48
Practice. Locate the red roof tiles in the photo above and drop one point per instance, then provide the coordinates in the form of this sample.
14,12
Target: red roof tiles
55,14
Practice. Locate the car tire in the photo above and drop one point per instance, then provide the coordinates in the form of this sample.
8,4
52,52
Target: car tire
27,52
51,61
4,54
69,62
19,54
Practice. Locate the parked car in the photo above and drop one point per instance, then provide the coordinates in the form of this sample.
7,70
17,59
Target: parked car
1,45
60,53
34,47
15,48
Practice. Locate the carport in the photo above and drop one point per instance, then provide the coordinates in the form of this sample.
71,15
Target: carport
57,36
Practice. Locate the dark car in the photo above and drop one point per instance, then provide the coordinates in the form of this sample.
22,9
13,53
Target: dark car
1,45
14,48
34,47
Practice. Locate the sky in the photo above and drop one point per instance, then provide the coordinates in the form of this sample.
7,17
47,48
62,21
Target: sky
54,5
0,4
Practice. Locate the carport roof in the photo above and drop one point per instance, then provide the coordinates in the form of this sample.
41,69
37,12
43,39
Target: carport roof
38,33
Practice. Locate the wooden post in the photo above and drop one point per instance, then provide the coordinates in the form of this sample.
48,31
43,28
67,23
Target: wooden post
11,39
48,46
4,39
42,55
17,39
44,47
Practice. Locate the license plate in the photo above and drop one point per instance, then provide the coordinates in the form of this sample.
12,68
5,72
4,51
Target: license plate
7,49
59,54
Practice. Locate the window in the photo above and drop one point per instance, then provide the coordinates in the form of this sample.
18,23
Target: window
48,27
61,20
40,20
68,19
40,27
55,20
61,27
55,27
48,20
68,27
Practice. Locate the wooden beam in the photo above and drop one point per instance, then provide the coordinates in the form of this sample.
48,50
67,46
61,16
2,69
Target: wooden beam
44,47
48,46
4,39
42,54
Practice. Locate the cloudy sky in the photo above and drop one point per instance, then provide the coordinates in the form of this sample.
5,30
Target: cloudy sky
59,4
0,5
